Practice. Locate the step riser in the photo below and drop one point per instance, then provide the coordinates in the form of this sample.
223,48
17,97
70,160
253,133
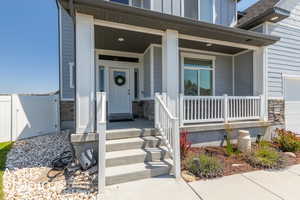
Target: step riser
138,175
133,145
115,135
156,156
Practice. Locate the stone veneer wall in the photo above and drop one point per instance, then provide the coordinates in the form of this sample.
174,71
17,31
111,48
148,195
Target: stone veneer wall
67,111
276,111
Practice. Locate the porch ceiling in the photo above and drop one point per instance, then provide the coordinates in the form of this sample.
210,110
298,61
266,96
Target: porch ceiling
145,18
136,42
107,38
203,46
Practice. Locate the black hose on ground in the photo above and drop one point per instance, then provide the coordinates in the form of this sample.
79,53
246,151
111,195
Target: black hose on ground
64,163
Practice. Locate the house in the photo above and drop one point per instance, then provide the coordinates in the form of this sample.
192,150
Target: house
279,18
170,65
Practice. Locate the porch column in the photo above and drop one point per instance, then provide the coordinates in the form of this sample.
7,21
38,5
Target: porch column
85,74
260,78
171,69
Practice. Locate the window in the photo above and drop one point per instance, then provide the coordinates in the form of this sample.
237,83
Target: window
135,3
198,77
198,9
136,83
101,79
121,1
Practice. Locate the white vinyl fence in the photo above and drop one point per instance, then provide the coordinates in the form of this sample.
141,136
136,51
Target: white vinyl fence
23,116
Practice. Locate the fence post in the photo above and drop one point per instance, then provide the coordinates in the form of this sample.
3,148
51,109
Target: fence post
101,129
176,156
156,111
225,108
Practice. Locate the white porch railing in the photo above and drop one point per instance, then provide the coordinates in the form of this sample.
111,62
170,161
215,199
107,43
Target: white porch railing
101,129
168,126
199,109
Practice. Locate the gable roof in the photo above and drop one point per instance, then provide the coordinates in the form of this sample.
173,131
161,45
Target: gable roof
263,10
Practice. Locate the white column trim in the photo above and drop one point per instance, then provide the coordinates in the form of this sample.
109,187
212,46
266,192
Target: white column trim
85,74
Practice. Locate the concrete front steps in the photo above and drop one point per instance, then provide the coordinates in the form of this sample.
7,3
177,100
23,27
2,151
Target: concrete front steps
135,154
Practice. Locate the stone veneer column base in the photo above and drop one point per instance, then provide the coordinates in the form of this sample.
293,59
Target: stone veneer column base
276,108
67,114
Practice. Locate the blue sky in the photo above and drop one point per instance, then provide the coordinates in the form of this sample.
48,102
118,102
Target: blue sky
29,46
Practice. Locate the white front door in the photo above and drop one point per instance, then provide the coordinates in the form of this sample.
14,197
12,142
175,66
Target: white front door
119,91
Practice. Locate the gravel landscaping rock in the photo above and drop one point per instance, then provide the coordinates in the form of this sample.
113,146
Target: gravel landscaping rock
28,164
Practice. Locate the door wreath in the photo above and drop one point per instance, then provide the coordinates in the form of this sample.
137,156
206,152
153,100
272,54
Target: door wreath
120,80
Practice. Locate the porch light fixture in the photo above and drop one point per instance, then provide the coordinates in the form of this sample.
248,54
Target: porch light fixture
120,39
274,18
208,44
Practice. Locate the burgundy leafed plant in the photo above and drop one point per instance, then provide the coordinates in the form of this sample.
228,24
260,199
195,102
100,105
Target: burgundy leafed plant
185,145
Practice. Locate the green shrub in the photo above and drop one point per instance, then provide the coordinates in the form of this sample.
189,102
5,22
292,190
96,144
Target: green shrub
287,141
203,166
266,157
264,144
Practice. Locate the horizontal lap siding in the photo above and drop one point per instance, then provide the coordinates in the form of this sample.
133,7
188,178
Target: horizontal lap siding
223,72
223,76
67,45
284,56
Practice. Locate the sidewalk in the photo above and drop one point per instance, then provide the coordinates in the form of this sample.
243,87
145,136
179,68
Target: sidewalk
164,188
258,185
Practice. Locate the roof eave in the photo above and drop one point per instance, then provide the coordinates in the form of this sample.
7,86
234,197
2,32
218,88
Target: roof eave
276,13
166,21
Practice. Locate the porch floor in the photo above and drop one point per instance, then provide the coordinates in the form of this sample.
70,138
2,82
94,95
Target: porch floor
137,123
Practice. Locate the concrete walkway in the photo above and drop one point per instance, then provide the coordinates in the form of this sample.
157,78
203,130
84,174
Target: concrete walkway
258,185
160,188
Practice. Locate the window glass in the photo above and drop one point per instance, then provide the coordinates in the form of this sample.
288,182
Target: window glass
205,83
136,83
191,9
137,3
198,77
191,82
101,79
206,10
121,1
190,62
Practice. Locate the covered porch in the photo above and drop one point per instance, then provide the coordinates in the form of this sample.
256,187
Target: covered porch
212,83
180,71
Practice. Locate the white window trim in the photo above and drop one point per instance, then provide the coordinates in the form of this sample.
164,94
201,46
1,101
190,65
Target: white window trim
200,57
117,64
214,14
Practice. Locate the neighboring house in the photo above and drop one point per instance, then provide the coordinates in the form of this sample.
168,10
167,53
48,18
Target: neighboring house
279,18
213,77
